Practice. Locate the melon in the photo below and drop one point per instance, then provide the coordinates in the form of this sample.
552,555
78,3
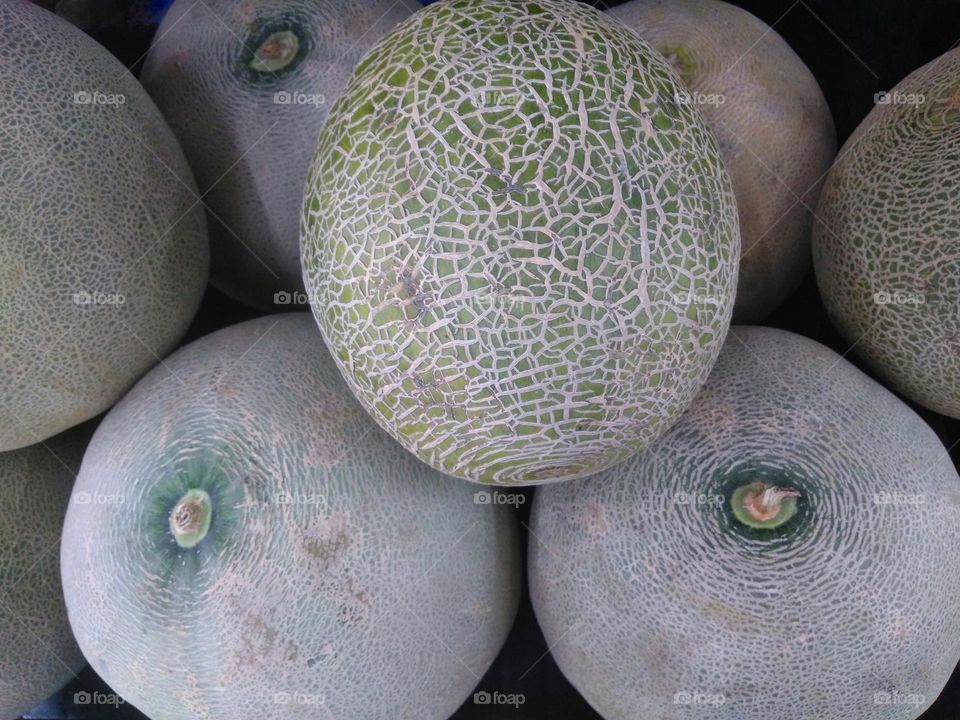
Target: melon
887,241
276,554
246,87
38,654
772,124
103,246
520,247
791,547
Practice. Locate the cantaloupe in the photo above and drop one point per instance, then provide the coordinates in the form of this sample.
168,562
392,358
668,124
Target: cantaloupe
103,246
277,555
38,654
791,548
772,124
887,243
521,249
246,87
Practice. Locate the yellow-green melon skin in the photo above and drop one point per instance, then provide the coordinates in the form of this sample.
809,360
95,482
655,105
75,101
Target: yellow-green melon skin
248,129
38,654
887,241
657,602
521,250
772,124
103,246
339,578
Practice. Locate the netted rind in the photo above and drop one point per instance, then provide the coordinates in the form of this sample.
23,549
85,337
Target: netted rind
886,243
521,248
339,578
103,245
656,602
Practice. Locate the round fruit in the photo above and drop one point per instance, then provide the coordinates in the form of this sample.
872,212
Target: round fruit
887,237
276,554
772,124
792,543
103,247
521,252
38,654
246,87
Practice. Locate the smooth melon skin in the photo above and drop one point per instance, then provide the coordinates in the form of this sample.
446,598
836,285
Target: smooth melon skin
885,247
103,247
658,601
246,87
772,124
38,654
521,250
276,554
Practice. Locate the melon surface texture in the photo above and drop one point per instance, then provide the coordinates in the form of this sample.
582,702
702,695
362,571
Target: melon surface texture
103,247
246,87
791,548
38,654
772,124
521,249
887,244
276,554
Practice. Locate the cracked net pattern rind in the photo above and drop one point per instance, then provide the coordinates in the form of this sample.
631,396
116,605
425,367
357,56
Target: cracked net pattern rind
340,577
103,247
520,248
655,606
886,243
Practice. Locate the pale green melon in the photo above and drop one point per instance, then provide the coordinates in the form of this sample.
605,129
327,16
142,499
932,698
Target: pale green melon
772,124
103,247
887,243
276,554
521,248
246,87
38,654
673,586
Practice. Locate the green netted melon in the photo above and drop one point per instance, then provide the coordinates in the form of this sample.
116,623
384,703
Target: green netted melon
276,554
772,124
38,654
246,87
103,247
520,248
791,548
887,241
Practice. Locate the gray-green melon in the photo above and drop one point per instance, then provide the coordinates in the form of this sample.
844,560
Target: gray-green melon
520,247
276,554
246,87
38,654
772,123
791,548
103,246
887,241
